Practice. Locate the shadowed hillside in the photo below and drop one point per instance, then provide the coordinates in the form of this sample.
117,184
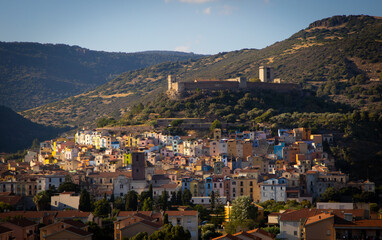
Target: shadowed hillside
33,74
338,57
17,133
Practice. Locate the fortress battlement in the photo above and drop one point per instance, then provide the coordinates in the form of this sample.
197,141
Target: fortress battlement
176,88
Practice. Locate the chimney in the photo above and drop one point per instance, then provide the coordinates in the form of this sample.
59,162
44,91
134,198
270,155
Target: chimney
348,217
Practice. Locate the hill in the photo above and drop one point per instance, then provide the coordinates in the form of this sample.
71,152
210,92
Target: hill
33,74
338,58
17,133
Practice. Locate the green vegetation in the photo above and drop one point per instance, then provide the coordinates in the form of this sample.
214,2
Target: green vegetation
34,74
85,204
102,208
167,232
17,133
337,62
357,195
42,201
273,206
243,215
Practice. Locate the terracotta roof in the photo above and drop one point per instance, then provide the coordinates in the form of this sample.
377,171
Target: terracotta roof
143,221
22,222
319,217
78,231
169,185
247,235
74,223
296,215
365,223
229,236
70,193
147,215
5,229
72,214
182,213
12,200
263,232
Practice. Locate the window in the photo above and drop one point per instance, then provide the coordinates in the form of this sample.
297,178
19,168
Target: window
295,233
328,232
241,183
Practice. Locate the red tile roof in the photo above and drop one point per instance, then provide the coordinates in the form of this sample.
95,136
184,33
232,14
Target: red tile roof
263,232
5,229
229,236
296,215
365,223
74,223
78,231
22,222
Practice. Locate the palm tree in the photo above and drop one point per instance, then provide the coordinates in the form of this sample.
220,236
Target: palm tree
42,200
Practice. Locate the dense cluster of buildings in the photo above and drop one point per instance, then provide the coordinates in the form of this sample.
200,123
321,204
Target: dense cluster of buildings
289,166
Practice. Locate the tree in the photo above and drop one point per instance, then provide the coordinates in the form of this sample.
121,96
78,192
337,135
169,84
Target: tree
85,202
215,124
209,232
165,219
151,191
274,230
131,201
42,201
179,197
330,194
140,236
101,208
203,212
119,204
147,205
186,197
5,206
35,145
164,200
68,187
170,232
212,201
243,209
173,198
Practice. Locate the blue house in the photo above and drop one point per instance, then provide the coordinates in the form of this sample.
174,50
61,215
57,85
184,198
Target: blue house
115,145
208,188
186,183
278,149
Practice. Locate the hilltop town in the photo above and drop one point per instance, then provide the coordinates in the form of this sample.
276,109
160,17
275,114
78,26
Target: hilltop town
290,168
188,146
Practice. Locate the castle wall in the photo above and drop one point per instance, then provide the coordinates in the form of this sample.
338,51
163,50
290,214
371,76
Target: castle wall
278,87
210,85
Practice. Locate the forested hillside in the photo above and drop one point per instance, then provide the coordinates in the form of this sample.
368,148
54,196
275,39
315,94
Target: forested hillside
18,133
33,74
338,58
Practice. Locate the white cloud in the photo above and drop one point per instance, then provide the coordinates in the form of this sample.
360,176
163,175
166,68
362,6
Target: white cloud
182,48
207,11
227,10
195,1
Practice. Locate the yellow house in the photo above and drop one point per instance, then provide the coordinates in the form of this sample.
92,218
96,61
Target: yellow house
131,141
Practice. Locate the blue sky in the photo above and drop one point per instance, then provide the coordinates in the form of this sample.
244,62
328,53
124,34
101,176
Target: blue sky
200,26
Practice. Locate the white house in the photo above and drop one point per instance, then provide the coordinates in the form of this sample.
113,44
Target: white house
65,200
273,189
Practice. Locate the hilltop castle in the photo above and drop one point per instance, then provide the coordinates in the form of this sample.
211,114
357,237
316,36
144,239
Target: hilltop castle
267,82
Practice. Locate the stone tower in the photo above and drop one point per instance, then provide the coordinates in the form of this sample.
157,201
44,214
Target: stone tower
266,74
138,164
171,82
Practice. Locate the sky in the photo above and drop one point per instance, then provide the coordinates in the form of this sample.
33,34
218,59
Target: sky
199,26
